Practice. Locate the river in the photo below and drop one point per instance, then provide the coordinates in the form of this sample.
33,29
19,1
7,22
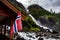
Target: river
32,36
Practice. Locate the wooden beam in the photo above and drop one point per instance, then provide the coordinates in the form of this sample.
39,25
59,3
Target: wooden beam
12,7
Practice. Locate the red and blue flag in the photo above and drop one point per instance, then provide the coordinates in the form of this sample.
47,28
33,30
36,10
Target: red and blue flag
17,25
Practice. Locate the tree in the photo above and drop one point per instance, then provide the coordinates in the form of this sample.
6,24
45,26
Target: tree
37,10
18,5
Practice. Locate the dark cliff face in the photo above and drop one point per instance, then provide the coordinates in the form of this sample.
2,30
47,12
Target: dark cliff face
47,21
57,28
50,23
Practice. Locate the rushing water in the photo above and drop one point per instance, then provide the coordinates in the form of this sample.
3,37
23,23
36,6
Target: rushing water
38,23
26,36
32,36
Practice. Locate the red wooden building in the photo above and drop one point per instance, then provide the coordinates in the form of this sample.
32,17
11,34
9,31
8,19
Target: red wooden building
8,13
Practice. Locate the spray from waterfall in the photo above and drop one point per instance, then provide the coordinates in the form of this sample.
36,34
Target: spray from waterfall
38,23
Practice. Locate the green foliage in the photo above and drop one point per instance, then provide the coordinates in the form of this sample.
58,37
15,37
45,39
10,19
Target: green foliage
37,11
18,5
35,29
57,17
29,25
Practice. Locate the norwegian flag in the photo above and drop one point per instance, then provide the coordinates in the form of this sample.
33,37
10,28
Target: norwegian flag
17,25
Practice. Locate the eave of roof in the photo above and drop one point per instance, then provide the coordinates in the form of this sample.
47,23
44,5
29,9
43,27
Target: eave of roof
12,7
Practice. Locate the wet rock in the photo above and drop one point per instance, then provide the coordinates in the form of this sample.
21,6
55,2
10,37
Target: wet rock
40,39
57,37
27,33
20,39
51,20
38,36
30,36
45,35
57,28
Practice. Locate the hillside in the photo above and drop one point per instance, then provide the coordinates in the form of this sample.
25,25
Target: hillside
48,19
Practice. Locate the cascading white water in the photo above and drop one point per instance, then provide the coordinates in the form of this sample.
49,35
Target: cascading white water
38,23
26,35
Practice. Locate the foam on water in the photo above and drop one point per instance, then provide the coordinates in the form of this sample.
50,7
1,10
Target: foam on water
25,35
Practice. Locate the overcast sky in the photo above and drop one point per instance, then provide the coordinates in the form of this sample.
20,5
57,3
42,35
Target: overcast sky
47,4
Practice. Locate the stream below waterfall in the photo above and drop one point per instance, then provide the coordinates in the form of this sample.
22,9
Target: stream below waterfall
38,35
33,36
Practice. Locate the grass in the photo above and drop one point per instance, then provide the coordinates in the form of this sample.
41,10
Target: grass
34,29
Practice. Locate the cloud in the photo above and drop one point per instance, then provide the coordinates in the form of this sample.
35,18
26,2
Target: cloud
22,1
57,3
47,4
54,5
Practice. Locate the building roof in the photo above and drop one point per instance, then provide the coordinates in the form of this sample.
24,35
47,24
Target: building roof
12,7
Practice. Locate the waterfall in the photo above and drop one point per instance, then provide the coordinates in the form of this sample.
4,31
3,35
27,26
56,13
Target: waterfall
39,23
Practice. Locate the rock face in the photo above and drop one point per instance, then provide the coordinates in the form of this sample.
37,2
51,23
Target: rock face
40,39
50,23
20,39
47,22
57,28
44,21
36,36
